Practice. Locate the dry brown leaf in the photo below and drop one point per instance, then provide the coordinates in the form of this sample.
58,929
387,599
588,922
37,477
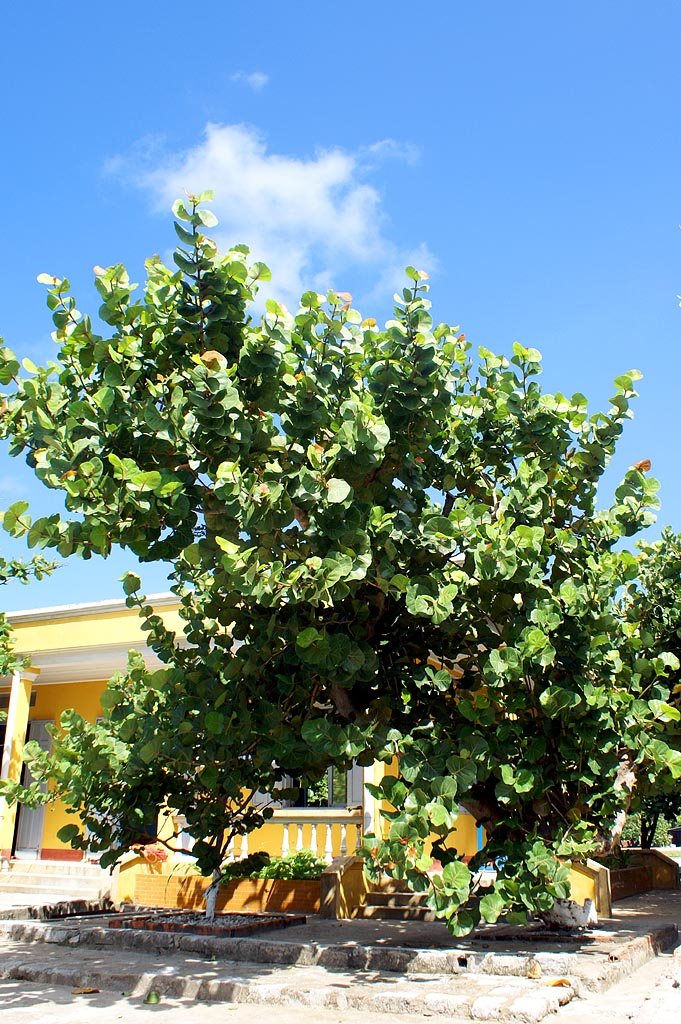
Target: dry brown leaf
84,991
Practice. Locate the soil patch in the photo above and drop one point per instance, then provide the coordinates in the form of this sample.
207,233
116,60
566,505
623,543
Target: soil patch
223,925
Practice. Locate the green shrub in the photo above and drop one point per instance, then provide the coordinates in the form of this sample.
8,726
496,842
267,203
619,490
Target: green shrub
248,867
302,865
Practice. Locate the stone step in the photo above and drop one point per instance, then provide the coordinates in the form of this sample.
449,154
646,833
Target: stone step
396,913
55,867
38,894
395,899
452,998
15,882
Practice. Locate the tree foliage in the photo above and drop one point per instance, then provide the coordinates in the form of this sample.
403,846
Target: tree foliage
17,569
383,545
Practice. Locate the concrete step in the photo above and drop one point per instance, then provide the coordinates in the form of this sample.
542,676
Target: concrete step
451,998
395,899
55,867
396,913
65,885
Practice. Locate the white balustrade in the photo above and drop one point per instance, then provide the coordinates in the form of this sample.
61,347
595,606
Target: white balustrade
334,822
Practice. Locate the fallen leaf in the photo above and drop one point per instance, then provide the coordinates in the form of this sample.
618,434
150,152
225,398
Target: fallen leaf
555,982
534,970
84,991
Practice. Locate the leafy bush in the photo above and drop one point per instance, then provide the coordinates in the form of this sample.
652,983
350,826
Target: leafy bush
632,830
631,833
248,867
302,865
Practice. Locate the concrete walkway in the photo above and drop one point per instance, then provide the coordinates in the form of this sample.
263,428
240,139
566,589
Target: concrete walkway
343,968
650,996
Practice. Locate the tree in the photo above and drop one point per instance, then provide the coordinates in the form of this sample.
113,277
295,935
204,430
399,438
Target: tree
654,606
382,547
23,571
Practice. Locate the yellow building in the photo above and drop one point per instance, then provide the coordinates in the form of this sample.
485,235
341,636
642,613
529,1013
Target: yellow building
72,651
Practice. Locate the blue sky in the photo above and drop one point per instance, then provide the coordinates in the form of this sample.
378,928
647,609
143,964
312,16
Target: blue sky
526,154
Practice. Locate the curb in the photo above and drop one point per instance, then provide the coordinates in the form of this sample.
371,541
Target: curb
58,911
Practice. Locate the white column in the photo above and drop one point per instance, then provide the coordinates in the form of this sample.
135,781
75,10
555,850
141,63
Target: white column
15,733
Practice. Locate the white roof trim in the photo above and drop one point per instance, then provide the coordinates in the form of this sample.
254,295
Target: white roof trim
67,611
86,664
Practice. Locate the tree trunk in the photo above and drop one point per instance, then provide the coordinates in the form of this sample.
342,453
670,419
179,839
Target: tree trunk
212,895
648,829
625,780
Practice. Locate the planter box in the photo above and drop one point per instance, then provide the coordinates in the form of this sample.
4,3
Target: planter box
254,894
628,881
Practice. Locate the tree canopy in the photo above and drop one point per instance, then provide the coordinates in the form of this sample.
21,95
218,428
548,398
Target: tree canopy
23,571
383,545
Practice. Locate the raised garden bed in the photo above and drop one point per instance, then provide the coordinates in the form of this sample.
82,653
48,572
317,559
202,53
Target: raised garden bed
223,926
250,894
629,881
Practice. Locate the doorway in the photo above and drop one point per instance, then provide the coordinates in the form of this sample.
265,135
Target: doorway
28,833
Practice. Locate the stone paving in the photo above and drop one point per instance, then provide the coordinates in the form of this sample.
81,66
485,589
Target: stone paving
347,967
135,973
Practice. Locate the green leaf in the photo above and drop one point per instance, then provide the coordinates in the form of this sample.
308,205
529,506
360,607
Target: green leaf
307,637
131,583
492,905
337,491
67,833
150,750
456,875
215,722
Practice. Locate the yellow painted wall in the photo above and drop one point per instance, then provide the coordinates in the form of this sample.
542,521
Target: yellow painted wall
87,630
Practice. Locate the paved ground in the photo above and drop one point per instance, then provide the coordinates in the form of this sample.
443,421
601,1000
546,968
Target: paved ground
647,997
651,995
38,979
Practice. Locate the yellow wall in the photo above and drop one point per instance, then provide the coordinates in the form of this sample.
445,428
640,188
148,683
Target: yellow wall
122,626
81,629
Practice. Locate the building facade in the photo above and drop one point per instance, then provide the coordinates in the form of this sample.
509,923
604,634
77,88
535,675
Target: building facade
71,651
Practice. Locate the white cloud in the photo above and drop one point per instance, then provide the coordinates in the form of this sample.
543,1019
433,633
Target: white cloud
255,80
312,220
